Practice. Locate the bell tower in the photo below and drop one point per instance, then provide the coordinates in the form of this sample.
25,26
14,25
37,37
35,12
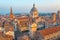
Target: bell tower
11,14
54,17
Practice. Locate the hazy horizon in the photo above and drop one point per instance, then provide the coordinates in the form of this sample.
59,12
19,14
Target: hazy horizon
24,6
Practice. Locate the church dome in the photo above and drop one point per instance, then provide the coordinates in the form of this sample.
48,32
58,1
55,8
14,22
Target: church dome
34,9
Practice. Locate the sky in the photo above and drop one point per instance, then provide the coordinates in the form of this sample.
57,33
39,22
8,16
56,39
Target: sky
24,6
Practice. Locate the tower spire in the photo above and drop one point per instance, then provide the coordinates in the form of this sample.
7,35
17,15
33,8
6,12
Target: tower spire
10,10
11,14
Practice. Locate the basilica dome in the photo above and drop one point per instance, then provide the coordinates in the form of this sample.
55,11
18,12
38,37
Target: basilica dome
34,9
34,12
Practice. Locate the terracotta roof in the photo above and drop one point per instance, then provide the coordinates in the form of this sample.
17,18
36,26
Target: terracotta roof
51,21
58,21
49,30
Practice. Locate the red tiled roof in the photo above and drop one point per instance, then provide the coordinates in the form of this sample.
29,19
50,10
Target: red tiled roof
49,30
58,21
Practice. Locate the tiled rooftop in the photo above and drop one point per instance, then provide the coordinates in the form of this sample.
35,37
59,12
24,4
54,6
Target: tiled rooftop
49,30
